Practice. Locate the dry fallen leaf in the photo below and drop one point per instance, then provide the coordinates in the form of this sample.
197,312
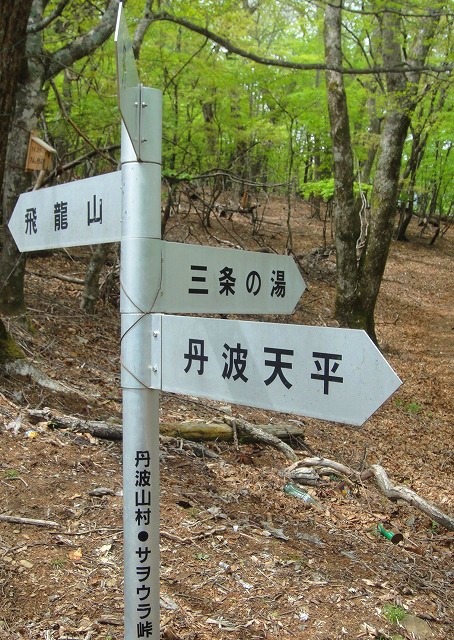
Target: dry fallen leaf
76,555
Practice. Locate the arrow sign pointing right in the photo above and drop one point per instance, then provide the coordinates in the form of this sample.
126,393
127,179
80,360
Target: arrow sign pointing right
218,280
319,372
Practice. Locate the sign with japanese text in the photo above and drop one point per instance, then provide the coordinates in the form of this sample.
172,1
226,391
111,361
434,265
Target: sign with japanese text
319,372
39,155
69,215
215,280
144,553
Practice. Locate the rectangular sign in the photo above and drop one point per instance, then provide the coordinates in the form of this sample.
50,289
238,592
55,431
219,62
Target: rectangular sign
319,372
68,215
201,279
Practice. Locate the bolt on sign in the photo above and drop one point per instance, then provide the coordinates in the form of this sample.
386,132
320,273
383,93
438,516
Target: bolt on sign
40,155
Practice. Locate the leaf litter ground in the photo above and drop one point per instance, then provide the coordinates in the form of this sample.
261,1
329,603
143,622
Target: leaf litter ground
239,557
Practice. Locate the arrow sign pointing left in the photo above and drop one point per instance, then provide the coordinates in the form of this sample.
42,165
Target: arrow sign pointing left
69,215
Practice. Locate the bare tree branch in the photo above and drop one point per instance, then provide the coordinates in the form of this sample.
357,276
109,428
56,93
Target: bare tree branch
45,22
287,64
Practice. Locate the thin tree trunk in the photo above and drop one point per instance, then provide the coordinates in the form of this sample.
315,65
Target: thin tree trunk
90,293
347,222
357,286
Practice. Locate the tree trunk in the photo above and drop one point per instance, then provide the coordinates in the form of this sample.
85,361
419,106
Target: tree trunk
346,218
29,104
90,294
13,24
402,99
407,204
358,285
12,262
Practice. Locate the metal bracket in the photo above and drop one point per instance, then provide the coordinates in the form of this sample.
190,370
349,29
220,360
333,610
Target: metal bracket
156,351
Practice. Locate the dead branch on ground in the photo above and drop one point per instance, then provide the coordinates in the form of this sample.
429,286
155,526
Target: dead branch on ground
390,490
31,521
260,435
196,431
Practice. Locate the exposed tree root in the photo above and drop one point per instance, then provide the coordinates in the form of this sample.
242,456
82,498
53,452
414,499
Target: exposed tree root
399,492
22,367
390,490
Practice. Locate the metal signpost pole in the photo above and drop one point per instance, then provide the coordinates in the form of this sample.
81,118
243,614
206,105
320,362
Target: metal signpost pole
140,282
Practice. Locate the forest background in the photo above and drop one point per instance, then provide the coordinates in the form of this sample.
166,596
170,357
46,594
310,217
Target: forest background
343,102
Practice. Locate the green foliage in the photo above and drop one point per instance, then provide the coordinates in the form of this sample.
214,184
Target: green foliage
324,189
261,122
82,112
394,612
412,408
58,563
11,474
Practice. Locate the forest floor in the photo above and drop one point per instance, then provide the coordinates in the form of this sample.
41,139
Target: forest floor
239,557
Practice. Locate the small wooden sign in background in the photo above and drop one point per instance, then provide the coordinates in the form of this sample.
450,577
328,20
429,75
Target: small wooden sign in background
39,155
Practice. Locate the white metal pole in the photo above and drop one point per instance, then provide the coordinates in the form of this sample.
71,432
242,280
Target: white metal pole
140,276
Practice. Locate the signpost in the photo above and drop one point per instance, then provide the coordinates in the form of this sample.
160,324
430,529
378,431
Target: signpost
333,374
213,280
129,87
140,121
319,372
73,214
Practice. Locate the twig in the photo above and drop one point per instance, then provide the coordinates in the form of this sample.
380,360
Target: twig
32,521
205,534
260,435
398,492
57,276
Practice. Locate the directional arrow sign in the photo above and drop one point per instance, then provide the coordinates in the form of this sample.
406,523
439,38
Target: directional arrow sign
327,373
200,279
68,215
141,113
128,81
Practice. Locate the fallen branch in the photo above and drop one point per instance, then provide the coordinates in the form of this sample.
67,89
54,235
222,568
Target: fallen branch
261,436
57,276
96,428
195,431
32,521
399,492
323,462
198,536
390,490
